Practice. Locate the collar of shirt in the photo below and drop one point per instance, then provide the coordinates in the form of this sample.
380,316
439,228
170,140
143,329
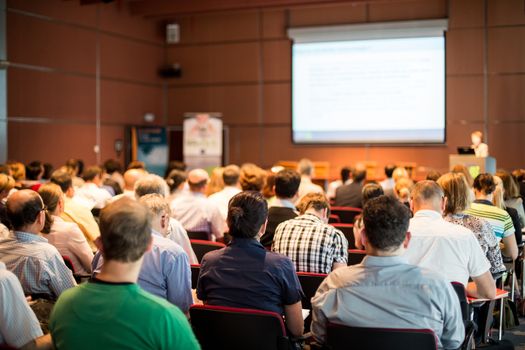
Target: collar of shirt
28,237
285,203
156,233
245,243
425,213
483,201
382,261
310,217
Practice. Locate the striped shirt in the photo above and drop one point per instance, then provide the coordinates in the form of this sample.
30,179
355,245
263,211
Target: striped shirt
312,245
498,218
37,264
18,323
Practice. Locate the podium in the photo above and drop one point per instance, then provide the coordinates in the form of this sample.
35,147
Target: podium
475,165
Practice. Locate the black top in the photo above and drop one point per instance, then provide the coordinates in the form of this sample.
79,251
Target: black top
517,224
276,215
349,195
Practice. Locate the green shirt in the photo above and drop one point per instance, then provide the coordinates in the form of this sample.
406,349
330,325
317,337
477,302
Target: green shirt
97,315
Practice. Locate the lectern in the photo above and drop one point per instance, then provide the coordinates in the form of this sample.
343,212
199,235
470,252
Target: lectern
475,165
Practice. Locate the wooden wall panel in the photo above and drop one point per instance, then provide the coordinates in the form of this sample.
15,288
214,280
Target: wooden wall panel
246,145
406,10
277,60
507,49
506,102
464,97
114,19
328,15
466,13
465,52
67,11
505,12
277,103
509,145
274,23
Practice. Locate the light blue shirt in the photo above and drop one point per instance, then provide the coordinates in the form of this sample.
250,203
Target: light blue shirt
165,272
387,292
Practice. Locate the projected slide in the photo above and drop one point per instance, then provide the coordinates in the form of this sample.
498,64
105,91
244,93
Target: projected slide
369,91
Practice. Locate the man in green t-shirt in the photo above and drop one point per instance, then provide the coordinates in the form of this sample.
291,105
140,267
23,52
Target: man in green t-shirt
111,311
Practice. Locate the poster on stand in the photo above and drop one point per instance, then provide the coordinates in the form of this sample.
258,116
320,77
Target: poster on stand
202,141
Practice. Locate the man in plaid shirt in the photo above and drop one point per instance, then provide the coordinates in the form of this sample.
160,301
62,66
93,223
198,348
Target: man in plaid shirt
312,244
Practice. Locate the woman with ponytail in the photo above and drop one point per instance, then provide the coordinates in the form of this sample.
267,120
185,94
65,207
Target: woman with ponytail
245,274
65,236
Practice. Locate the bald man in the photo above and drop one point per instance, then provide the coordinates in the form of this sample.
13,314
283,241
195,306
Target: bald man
131,177
37,264
196,212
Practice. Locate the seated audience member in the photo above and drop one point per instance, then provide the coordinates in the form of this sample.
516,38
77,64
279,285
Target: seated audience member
499,219
370,191
245,274
499,202
388,183
385,291
112,311
402,190
400,173
308,240
194,211
282,207
4,169
19,327
74,211
215,184
37,264
334,185
230,179
67,237
443,247
268,188
7,183
165,271
252,177
519,175
48,170
433,175
75,168
511,194
91,190
18,172
461,169
174,165
137,164
457,192
113,170
131,177
350,195
154,184
34,173
306,169
176,181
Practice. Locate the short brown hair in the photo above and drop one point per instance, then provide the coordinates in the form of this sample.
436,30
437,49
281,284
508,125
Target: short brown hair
426,191
456,189
510,185
230,175
485,183
317,201
252,177
125,230
92,172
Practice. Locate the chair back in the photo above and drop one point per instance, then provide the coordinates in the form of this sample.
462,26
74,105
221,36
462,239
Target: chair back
69,263
220,327
310,282
340,337
355,256
195,270
459,288
348,231
346,214
332,219
201,247
202,235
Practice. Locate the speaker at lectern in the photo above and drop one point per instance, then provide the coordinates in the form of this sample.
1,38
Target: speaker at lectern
475,165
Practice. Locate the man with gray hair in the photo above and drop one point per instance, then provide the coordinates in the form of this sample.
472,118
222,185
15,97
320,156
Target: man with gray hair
230,177
443,247
305,167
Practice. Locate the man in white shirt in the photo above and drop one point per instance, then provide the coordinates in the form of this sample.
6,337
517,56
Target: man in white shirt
443,247
306,169
230,177
91,190
131,177
195,212
389,183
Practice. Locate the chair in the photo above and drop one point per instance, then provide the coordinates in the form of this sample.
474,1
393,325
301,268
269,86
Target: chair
344,337
470,326
348,231
195,270
332,219
310,283
346,214
201,247
355,256
202,235
220,327
79,278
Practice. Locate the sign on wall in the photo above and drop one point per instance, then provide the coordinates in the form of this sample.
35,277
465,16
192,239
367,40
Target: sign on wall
152,148
202,145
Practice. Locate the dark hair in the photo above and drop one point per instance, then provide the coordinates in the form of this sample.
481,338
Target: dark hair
247,212
136,164
358,175
34,170
287,183
345,174
125,230
389,170
386,222
175,179
433,175
317,201
231,175
22,214
114,185
112,165
62,179
510,184
92,172
174,165
371,190
50,194
485,183
48,170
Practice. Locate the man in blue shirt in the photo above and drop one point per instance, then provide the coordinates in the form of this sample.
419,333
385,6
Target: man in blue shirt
384,291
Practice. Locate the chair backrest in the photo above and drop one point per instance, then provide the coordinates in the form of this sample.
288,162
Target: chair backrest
346,214
348,231
459,288
195,270
333,218
355,256
344,337
69,263
202,235
219,327
310,283
201,247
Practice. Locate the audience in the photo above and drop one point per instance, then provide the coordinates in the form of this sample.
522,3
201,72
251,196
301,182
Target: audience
18,172
34,173
282,208
91,190
385,291
75,168
113,170
402,189
111,311
230,179
306,169
194,211
137,164
499,202
443,247
130,178
7,183
176,181
37,264
215,184
457,192
388,183
174,165
512,195
499,219
245,274
252,177
370,191
433,175
308,240
65,236
19,327
334,185
350,195
461,169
